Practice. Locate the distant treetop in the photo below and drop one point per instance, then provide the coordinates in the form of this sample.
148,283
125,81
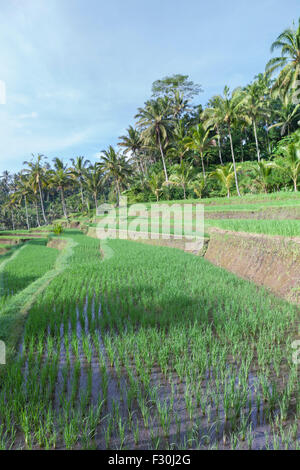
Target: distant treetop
176,83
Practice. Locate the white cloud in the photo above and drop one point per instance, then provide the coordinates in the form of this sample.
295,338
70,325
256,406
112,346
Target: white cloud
32,115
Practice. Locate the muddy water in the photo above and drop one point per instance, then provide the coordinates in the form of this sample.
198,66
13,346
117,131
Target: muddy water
202,424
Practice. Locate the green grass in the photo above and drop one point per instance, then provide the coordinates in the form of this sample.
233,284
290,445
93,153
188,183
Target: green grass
150,347
285,228
290,198
4,247
34,260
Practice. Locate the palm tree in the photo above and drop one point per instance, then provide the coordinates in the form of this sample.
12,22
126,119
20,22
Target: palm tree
287,115
93,182
213,117
155,183
288,62
291,164
179,147
37,174
5,177
225,175
132,143
60,179
179,104
199,185
254,109
155,123
24,192
263,171
182,175
78,171
115,167
11,205
200,141
229,110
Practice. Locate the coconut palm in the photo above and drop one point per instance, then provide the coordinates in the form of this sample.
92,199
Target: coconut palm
291,163
178,147
37,172
77,172
264,83
230,112
93,181
212,117
198,185
200,141
263,171
286,116
288,63
226,175
24,192
60,179
155,184
182,175
114,167
6,178
156,125
254,109
133,143
179,104
11,205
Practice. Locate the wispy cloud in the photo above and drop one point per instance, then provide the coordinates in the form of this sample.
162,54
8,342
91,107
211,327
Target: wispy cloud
76,75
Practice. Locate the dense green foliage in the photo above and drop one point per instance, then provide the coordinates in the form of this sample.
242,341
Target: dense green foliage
244,141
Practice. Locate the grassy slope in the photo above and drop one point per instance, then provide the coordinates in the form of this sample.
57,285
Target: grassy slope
253,203
24,267
157,305
285,228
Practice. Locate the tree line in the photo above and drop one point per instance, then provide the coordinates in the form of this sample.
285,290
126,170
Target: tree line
245,140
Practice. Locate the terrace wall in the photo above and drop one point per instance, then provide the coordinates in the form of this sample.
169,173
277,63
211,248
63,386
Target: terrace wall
270,261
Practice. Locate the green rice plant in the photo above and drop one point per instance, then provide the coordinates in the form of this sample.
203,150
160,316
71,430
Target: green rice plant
285,228
199,342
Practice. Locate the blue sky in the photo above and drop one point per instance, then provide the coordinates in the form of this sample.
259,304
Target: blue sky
76,70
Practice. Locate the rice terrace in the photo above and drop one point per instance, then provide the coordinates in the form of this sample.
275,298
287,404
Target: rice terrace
150,294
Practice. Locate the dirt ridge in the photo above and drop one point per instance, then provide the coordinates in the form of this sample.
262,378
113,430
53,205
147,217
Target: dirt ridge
269,261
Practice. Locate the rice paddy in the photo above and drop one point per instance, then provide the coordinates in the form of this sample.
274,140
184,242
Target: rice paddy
285,228
157,224
151,348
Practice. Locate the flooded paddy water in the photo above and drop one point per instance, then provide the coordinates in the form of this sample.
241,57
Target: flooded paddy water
107,361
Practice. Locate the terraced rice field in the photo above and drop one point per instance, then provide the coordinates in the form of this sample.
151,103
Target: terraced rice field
150,348
285,228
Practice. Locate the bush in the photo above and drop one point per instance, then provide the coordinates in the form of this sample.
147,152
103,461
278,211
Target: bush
58,229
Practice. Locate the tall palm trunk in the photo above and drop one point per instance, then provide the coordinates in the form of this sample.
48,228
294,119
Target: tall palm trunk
219,145
233,161
26,212
163,158
118,193
12,219
256,140
268,138
81,191
295,184
63,203
242,150
96,201
37,214
42,203
203,167
143,167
